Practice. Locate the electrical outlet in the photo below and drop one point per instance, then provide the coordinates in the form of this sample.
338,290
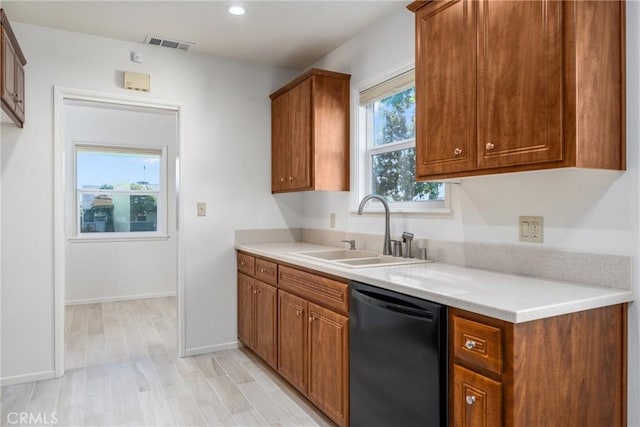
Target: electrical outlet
531,229
202,209
332,220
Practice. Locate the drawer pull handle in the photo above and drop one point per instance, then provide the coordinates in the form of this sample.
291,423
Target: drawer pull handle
470,400
470,344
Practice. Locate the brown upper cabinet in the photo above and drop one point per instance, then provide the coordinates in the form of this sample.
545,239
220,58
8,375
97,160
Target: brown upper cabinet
504,86
310,133
13,62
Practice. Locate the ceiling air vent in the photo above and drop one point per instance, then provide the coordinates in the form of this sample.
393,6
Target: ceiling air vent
173,44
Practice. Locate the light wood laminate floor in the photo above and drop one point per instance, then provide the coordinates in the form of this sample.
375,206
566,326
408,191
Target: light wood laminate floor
122,369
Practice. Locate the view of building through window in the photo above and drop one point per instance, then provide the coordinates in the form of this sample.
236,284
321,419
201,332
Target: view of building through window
117,190
391,150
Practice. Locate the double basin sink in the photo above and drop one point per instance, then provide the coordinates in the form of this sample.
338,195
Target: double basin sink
356,258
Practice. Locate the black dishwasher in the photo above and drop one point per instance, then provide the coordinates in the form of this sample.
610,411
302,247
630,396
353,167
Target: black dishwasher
398,359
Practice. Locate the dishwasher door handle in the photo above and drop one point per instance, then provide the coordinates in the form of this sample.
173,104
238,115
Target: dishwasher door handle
370,299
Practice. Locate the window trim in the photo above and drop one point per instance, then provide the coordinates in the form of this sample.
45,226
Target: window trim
361,164
162,219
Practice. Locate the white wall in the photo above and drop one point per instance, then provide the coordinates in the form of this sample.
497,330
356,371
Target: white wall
224,158
112,270
584,210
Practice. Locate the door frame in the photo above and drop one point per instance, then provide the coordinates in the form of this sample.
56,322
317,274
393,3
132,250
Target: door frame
60,94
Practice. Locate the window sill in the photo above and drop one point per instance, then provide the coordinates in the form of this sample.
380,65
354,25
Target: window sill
114,239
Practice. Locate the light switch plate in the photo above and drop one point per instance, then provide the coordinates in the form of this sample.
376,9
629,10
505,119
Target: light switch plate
202,209
530,229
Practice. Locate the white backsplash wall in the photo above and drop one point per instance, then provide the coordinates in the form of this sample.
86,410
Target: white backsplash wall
224,162
584,210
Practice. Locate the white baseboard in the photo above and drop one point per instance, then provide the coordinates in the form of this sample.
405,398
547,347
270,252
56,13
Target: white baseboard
194,351
19,379
120,298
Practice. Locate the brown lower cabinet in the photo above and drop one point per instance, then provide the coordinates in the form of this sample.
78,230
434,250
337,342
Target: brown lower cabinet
313,356
567,370
257,318
297,329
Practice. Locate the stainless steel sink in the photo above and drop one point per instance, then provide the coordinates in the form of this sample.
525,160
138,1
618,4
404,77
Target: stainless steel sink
356,258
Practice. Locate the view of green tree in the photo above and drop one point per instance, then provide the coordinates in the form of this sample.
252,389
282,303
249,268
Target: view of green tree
141,205
394,172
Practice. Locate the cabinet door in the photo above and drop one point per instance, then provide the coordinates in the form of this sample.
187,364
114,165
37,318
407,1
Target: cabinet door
246,312
280,143
19,87
445,88
300,137
519,82
328,348
476,399
8,72
292,334
266,322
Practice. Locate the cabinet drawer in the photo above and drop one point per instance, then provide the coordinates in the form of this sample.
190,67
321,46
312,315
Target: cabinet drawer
267,271
478,344
246,264
321,290
477,400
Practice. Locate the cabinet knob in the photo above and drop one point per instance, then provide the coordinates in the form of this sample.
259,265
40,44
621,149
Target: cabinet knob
262,270
470,400
290,178
248,288
281,179
490,146
457,151
298,312
470,344
255,291
242,263
311,318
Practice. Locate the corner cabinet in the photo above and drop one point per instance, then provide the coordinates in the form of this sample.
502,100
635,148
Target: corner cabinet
298,323
310,133
552,372
13,62
504,86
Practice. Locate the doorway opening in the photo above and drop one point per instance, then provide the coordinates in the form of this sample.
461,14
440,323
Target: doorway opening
118,276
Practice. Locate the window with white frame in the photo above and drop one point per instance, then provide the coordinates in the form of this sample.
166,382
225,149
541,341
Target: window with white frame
386,147
120,192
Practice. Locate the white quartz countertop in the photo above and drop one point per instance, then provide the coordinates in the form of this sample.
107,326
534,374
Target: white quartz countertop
503,296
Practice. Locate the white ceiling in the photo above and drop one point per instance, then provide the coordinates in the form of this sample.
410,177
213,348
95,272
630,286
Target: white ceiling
289,34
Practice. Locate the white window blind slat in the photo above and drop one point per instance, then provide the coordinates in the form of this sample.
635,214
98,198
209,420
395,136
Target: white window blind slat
388,88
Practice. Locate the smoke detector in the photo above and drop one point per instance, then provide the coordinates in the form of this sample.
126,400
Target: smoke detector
170,43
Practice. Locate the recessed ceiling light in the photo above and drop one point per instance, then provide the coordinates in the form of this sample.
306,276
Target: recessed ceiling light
236,9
